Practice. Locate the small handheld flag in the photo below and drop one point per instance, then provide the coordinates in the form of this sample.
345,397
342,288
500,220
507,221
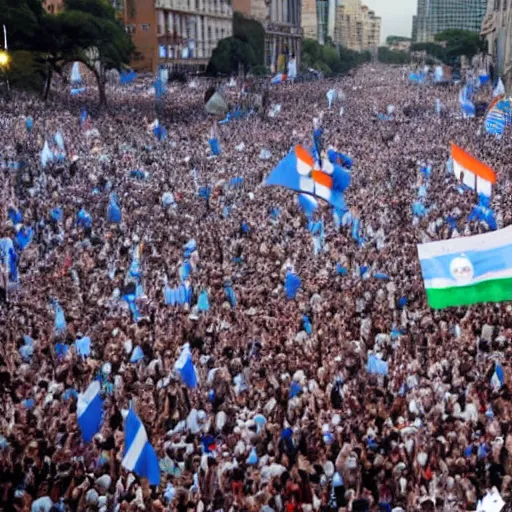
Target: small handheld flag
139,455
185,366
90,411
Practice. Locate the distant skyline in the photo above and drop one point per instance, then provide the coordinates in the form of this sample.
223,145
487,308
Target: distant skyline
396,16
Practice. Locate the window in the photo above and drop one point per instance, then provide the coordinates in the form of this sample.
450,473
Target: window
145,27
162,51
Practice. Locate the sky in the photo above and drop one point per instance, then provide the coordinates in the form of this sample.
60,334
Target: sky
396,16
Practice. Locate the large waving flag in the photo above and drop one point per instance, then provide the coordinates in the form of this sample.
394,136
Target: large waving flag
139,455
296,172
472,172
495,121
89,411
468,270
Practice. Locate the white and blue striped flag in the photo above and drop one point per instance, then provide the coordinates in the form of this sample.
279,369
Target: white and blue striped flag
186,367
90,411
139,455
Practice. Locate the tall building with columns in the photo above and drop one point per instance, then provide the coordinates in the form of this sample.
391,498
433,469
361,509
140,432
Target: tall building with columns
281,20
178,34
357,27
497,30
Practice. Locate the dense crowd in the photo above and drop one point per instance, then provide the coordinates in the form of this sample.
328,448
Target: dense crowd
285,417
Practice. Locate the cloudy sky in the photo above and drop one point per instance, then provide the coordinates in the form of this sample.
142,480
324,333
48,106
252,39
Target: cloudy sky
396,16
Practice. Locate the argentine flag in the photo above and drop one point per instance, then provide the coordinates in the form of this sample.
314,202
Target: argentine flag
139,455
186,368
90,411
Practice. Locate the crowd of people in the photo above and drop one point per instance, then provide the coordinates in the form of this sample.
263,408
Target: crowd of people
285,416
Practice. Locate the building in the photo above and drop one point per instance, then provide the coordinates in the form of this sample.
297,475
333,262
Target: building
434,16
53,6
497,30
325,17
356,26
281,20
400,46
177,34
309,19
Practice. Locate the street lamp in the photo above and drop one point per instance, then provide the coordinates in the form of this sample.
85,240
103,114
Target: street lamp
4,58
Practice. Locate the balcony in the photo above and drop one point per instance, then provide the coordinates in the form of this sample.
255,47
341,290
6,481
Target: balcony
198,7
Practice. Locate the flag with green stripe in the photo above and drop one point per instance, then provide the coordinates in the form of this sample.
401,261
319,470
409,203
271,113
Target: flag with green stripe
468,270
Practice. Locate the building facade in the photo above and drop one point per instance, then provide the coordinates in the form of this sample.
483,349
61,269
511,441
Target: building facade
281,20
309,19
53,6
325,18
434,16
177,34
356,26
497,30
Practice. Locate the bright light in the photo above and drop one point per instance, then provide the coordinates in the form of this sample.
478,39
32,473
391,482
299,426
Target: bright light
4,58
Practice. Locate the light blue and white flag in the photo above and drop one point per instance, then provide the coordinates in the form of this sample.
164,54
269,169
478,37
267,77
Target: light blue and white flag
496,119
59,140
438,74
83,346
89,410
438,106
376,366
499,90
185,366
46,155
139,455
60,319
76,77
467,106
331,96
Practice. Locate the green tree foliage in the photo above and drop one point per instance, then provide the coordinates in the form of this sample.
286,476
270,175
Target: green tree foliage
459,42
230,54
245,49
26,71
330,60
388,56
253,32
450,45
433,50
22,19
87,31
92,34
390,40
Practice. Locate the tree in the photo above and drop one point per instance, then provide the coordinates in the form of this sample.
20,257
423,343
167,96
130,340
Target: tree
458,43
86,31
252,32
387,56
230,54
22,19
246,48
432,49
330,60
91,33
391,40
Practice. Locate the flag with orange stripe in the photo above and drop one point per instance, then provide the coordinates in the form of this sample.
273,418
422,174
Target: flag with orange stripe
296,171
472,172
